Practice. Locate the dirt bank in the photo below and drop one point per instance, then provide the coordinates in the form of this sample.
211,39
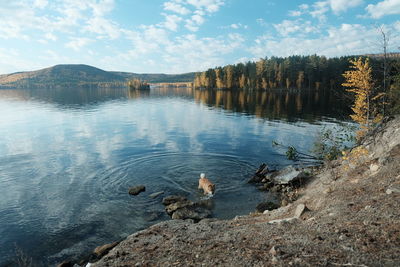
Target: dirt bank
352,219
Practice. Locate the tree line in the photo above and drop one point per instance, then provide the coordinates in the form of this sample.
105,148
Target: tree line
294,72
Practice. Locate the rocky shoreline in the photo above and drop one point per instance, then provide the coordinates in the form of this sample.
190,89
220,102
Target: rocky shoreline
346,215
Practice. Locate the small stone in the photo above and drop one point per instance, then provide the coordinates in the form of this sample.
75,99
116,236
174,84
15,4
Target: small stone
299,210
273,251
274,259
328,190
374,167
389,191
135,190
284,202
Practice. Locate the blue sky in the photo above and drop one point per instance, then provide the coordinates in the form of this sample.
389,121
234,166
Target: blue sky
176,36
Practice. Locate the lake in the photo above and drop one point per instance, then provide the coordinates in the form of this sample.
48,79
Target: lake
68,157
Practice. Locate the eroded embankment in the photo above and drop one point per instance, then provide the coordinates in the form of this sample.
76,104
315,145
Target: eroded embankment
352,218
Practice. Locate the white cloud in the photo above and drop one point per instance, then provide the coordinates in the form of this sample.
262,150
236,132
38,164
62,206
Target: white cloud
192,53
101,7
40,3
383,8
13,60
339,6
50,36
347,39
171,22
396,25
103,27
176,7
303,6
320,8
203,8
77,43
210,6
295,13
237,26
288,27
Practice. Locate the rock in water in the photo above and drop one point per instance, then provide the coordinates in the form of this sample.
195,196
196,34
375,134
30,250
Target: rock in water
154,195
171,208
172,199
135,190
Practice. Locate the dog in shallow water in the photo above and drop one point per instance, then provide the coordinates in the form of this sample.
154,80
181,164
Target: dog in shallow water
206,185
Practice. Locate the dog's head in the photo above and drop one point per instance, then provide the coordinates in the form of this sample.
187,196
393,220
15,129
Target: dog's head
211,188
202,175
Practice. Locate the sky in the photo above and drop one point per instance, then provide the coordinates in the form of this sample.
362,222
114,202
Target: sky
178,36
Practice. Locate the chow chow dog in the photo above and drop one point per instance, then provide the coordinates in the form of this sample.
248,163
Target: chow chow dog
206,185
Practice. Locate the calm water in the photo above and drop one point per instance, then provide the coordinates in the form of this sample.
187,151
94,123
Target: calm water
67,158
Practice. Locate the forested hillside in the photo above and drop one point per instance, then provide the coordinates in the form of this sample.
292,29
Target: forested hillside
79,75
289,72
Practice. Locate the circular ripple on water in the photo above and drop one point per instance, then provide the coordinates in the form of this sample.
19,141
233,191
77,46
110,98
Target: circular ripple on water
173,173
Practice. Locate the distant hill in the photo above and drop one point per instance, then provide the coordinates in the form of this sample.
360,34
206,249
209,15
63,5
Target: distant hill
79,75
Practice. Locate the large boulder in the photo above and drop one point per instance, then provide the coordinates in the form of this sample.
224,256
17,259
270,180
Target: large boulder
180,208
288,175
191,212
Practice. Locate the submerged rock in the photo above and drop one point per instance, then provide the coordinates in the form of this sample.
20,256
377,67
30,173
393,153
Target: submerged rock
153,216
136,190
154,195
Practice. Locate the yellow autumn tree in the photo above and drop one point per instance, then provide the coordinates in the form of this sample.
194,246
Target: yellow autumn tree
359,81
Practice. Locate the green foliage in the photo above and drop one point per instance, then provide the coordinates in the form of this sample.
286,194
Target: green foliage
294,72
394,90
330,142
291,153
275,72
